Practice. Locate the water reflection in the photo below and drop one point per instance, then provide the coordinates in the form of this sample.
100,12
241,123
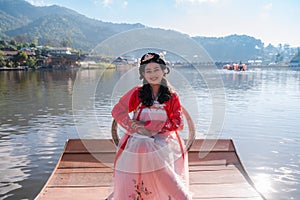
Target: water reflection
11,154
37,116
263,121
34,111
263,183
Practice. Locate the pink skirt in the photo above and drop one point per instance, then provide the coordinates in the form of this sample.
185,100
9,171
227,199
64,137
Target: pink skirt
151,168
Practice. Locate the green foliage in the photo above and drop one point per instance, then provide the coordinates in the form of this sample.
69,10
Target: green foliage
2,59
2,62
13,42
2,43
31,62
20,58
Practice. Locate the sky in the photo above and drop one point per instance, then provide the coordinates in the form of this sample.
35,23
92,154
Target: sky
272,21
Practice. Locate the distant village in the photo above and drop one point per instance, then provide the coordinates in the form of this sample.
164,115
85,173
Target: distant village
39,57
22,57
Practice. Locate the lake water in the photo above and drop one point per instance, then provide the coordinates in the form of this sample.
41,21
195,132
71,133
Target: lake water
40,110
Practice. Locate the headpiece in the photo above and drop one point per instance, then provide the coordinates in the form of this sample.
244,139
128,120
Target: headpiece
152,57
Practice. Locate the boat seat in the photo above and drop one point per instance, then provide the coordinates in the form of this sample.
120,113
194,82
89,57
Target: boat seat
188,142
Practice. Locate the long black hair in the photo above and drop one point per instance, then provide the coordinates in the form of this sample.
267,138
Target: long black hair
165,89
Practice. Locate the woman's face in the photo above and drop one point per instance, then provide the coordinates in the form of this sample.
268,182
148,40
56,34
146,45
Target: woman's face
153,73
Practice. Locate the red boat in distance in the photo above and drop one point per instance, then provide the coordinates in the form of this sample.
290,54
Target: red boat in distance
236,67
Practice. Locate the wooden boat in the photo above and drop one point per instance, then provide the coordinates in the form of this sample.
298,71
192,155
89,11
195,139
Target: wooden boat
84,171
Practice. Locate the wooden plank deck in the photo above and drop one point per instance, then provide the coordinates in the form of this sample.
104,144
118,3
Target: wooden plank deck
84,171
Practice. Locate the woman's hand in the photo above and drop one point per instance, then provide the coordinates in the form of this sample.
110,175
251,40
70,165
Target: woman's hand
140,128
144,131
154,125
137,124
147,128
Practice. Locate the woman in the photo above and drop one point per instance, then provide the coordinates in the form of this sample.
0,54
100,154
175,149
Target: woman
151,162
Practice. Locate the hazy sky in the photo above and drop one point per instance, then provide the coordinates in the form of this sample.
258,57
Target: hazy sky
272,21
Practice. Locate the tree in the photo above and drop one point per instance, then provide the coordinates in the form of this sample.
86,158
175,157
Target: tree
296,58
2,44
20,58
66,42
2,59
35,42
31,62
22,38
13,42
279,58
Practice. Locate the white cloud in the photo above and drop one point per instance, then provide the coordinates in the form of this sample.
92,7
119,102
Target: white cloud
196,1
268,6
125,3
106,3
266,10
38,3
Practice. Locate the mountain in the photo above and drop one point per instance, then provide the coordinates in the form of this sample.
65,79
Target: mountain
17,13
53,25
232,48
59,26
79,31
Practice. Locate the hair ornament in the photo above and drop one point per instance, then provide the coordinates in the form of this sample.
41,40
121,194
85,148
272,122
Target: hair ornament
147,57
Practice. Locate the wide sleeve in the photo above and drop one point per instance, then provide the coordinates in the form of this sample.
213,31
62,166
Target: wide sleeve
127,103
174,111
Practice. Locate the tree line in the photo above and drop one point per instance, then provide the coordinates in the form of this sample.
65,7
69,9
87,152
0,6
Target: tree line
14,54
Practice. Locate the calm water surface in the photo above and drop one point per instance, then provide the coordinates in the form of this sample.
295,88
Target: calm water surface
40,110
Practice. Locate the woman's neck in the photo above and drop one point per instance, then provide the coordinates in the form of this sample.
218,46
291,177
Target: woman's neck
155,90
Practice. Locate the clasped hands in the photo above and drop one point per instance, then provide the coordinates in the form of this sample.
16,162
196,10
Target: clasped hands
148,128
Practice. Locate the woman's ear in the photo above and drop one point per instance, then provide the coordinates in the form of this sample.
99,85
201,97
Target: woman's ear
166,71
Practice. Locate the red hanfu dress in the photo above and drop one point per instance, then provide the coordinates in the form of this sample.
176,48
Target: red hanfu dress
153,167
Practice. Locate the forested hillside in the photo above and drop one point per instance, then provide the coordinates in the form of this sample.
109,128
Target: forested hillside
62,27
